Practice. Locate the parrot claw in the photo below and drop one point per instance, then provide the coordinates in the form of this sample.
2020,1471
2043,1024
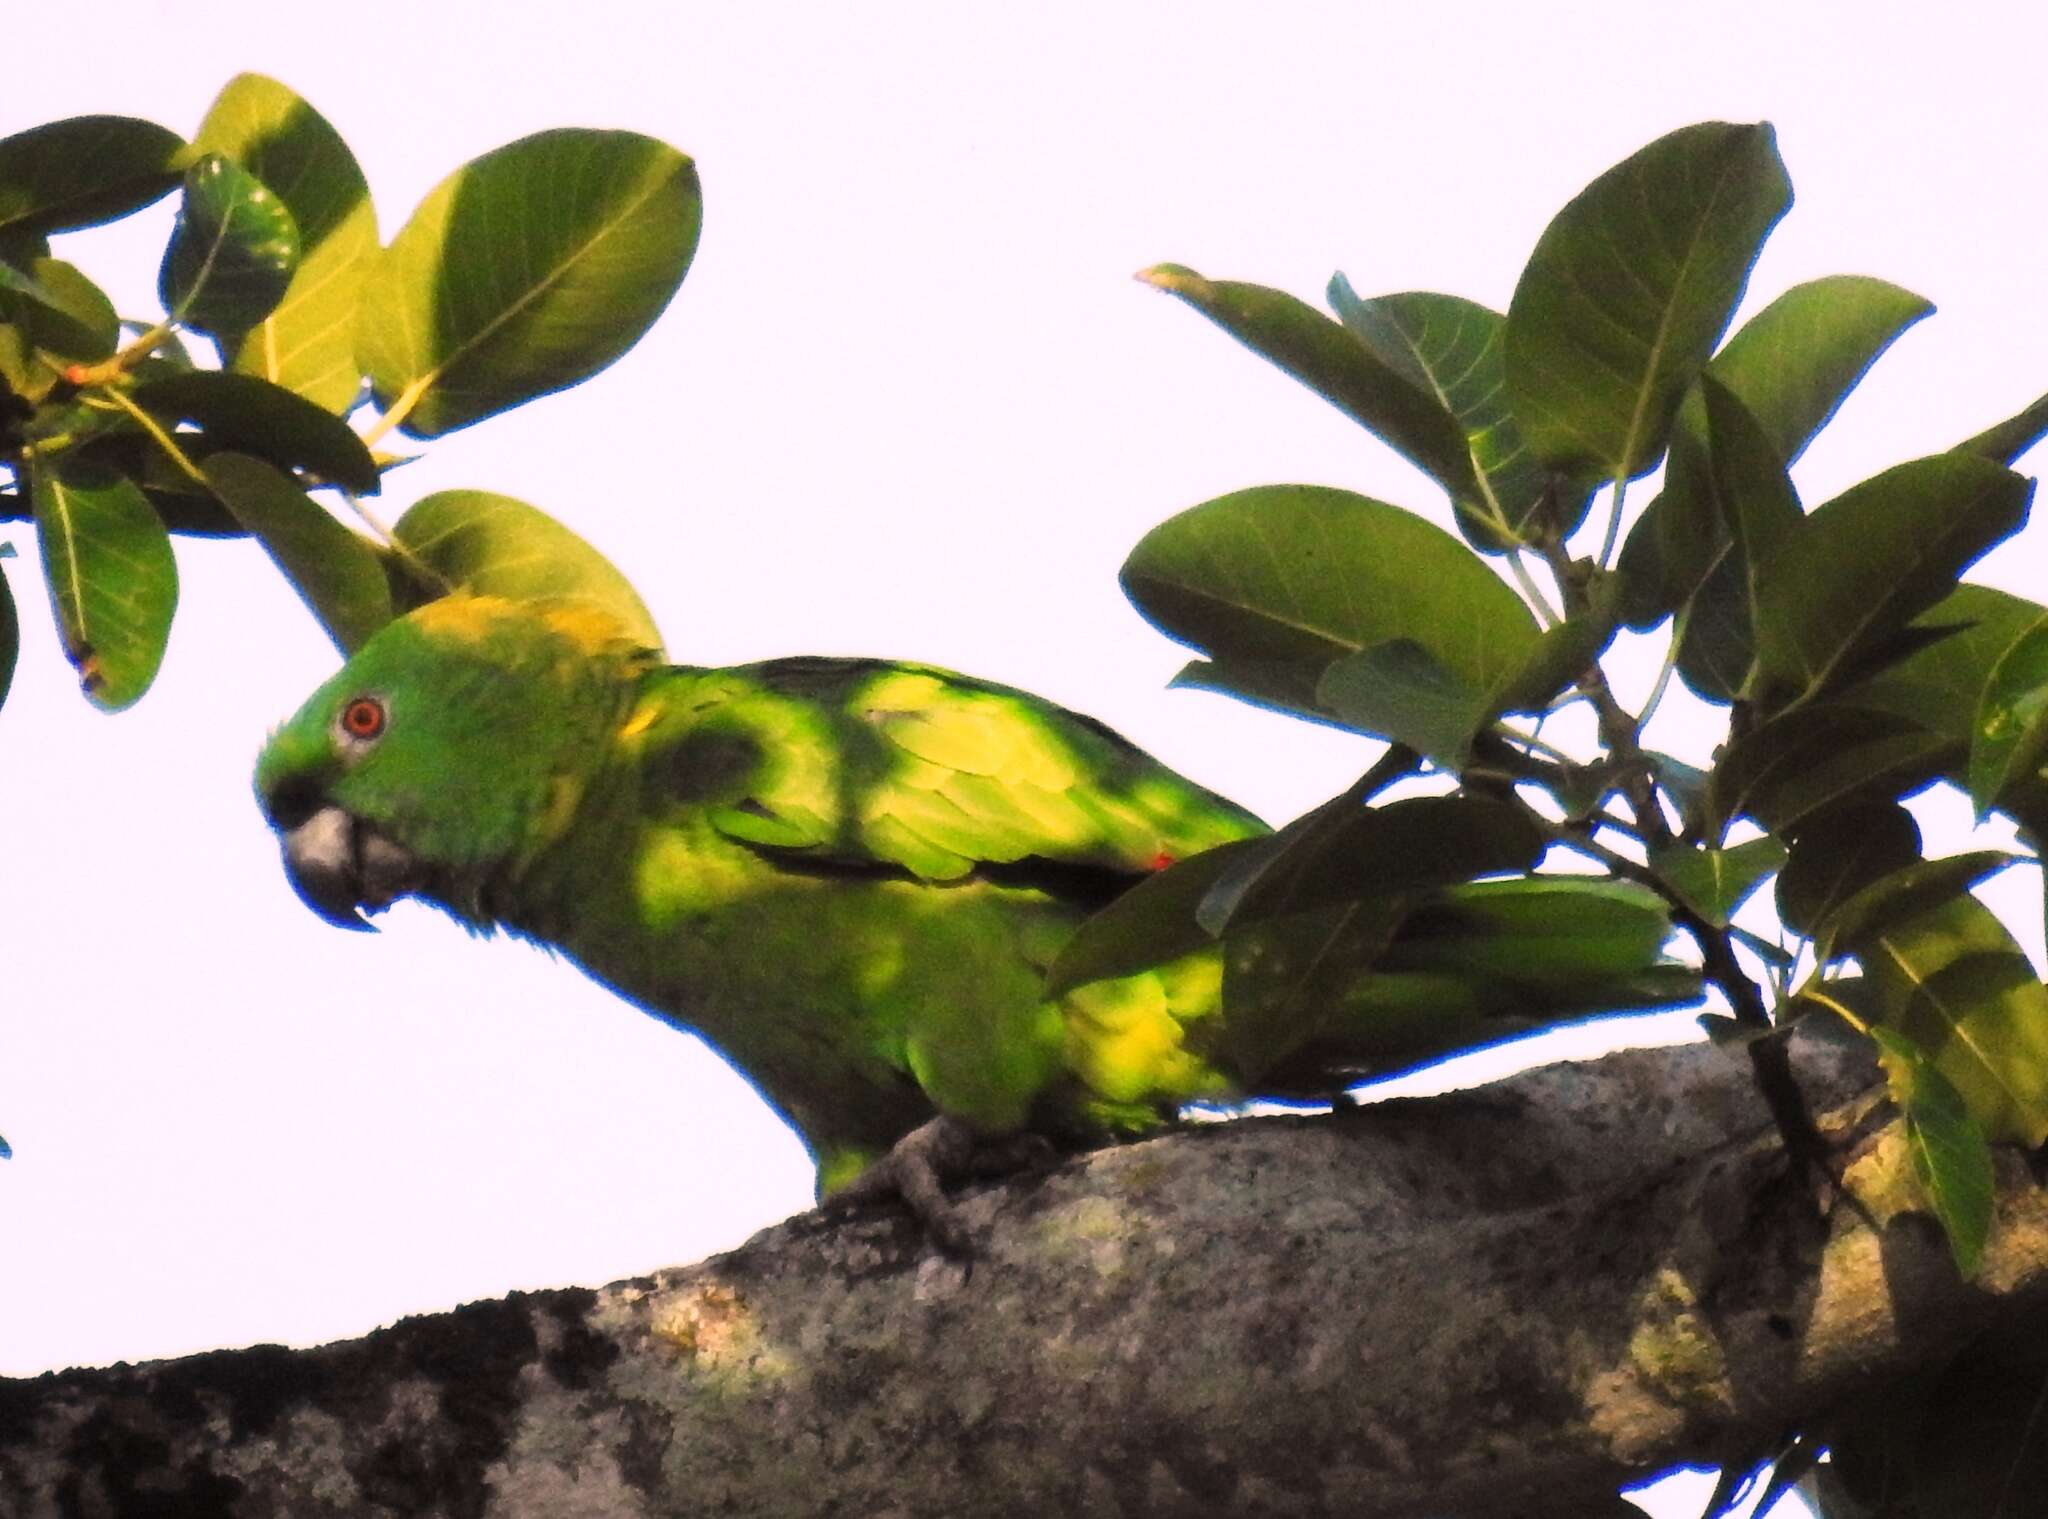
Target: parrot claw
919,1166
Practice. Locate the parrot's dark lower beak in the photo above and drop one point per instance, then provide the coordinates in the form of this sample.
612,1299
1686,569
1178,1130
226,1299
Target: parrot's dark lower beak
338,864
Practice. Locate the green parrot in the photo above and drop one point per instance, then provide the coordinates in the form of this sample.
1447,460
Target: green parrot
849,876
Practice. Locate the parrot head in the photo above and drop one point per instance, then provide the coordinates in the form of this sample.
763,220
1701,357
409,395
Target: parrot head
454,744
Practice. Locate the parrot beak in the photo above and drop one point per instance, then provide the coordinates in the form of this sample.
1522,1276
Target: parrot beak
337,864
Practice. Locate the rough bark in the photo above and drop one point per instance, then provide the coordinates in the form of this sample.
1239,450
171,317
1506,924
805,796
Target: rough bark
1508,1301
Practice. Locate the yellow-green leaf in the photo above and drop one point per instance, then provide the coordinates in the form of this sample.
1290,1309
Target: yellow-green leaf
307,343
525,271
1953,981
494,545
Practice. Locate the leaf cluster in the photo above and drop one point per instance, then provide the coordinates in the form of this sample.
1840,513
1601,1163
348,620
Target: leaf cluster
1852,663
284,318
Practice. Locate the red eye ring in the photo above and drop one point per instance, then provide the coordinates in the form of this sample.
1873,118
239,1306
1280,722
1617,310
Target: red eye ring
363,718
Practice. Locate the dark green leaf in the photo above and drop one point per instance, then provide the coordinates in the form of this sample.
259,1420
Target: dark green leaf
493,545
1284,687
242,412
113,583
1150,924
1562,653
1282,977
1408,416
1344,851
1949,1154
307,344
83,171
1539,931
1900,895
70,322
18,282
1717,647
1755,512
1837,853
1628,289
1940,686
2010,736
2005,441
1451,349
1982,1446
1398,690
1815,757
1874,558
10,636
338,574
1953,981
1715,882
233,252
527,270
1298,576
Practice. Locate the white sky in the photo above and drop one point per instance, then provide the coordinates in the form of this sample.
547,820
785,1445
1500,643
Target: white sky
908,402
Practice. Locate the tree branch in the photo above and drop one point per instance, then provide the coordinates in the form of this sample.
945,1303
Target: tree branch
1503,1301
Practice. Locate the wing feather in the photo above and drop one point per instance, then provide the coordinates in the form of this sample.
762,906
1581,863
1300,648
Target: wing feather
859,764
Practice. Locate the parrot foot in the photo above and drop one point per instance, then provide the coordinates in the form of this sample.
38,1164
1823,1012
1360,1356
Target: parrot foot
919,1166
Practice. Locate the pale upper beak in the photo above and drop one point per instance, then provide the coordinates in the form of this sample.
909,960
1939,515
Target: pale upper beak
337,864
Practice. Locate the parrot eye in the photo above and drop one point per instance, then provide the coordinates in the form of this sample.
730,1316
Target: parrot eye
363,718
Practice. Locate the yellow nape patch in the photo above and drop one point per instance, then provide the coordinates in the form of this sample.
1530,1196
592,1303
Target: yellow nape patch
587,628
462,616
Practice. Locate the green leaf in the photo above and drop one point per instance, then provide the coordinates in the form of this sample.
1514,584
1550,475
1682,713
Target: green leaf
1351,375
1810,758
1793,364
1628,289
1949,1154
1874,558
1451,349
1282,977
1398,690
1953,981
2005,441
243,412
1755,512
1295,577
1837,853
1562,652
70,322
1150,924
1345,851
337,573
1548,932
1942,685
1715,882
82,171
493,545
527,270
1283,687
1789,366
10,636
2010,736
113,583
1900,895
307,344
233,252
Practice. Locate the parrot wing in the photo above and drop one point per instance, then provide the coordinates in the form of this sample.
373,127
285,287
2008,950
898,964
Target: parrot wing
865,764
